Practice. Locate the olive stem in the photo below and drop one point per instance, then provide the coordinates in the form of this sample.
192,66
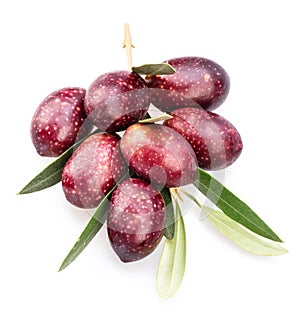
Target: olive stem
191,197
175,192
127,43
205,209
163,116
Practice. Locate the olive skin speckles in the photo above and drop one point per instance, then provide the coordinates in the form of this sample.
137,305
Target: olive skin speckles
215,141
116,100
58,120
197,82
93,170
159,154
136,219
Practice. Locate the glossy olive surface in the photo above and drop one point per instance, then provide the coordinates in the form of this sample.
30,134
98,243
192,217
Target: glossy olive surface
215,141
136,219
116,100
197,82
58,120
159,154
93,170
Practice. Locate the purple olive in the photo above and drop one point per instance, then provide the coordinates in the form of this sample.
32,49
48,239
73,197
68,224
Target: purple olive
93,170
116,100
159,154
57,121
136,219
215,141
197,82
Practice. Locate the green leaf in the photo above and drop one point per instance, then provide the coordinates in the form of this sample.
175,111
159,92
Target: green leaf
172,263
146,116
241,236
154,69
93,227
170,217
51,175
232,206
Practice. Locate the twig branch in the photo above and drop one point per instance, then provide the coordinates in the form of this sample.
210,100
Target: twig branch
127,43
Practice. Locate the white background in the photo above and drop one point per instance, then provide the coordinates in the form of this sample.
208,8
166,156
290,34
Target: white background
47,45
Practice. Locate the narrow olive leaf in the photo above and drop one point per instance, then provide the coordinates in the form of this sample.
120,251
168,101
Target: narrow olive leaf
93,227
232,206
172,263
154,69
237,233
170,217
51,175
241,236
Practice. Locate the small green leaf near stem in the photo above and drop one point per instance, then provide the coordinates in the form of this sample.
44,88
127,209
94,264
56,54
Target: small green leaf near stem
154,69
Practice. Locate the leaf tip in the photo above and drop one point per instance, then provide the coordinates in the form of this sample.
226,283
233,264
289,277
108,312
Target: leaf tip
284,251
276,238
166,293
22,191
164,296
171,68
280,251
63,266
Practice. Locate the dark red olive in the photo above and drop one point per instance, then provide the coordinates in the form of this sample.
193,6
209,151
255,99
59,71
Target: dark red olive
116,100
136,219
93,170
159,154
58,120
215,141
197,82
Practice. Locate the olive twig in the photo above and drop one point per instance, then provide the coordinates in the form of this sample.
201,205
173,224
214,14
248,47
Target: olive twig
175,192
191,197
127,43
163,116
